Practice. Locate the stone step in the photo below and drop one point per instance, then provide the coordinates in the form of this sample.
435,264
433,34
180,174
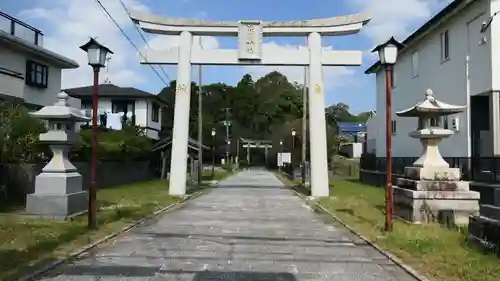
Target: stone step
485,231
490,211
490,193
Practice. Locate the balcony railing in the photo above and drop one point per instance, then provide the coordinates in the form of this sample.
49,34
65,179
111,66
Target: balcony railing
20,29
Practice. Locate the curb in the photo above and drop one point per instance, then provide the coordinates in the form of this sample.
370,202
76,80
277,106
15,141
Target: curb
54,264
390,256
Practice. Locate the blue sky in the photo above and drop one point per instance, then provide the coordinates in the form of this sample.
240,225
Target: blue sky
68,23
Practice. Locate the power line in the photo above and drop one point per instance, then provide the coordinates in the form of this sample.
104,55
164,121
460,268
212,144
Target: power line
143,38
129,40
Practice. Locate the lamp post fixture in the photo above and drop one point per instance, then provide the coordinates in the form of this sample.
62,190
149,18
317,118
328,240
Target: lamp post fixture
228,147
281,156
388,54
213,152
97,54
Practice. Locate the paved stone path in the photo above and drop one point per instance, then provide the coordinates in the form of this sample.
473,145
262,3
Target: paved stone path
248,229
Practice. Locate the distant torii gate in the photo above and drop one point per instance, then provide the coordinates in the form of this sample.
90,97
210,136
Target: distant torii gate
250,52
249,143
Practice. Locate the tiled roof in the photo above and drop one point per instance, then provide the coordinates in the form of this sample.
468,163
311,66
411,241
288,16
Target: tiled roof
111,90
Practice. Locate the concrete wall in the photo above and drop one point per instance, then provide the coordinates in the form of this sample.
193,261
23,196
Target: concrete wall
109,174
371,134
15,60
466,72
353,150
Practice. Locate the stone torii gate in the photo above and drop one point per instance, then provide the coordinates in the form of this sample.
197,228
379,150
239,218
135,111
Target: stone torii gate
250,52
250,143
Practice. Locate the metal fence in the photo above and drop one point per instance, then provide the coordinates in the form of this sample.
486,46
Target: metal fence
480,169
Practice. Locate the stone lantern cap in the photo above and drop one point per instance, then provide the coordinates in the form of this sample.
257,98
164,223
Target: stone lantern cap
60,111
431,107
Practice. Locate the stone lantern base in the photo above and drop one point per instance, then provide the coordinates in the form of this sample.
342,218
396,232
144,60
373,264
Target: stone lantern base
434,195
57,196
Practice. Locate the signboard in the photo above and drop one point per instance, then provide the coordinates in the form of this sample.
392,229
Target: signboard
284,158
249,40
280,161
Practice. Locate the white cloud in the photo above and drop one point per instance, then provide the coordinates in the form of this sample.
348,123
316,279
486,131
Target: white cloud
72,22
66,29
395,17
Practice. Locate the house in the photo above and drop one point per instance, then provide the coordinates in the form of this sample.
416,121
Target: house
139,107
29,73
452,56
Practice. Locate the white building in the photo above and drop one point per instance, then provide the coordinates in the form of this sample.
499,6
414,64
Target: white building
451,56
29,73
145,107
371,133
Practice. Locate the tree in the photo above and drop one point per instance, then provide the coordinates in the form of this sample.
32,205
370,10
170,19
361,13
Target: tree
266,109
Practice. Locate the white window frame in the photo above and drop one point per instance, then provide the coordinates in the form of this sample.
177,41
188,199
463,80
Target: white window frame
445,45
414,64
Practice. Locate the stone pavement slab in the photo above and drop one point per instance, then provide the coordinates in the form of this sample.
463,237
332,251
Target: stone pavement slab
248,228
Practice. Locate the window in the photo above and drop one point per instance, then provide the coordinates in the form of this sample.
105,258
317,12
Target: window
155,114
37,75
414,64
445,46
124,106
86,104
393,127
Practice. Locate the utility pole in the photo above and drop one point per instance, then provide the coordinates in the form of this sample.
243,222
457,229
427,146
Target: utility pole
304,125
200,127
237,153
226,123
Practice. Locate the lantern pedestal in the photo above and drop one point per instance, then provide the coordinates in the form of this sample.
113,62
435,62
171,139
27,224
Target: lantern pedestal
57,196
428,194
431,191
58,189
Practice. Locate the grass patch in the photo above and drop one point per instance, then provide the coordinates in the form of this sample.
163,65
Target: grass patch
217,176
437,252
27,243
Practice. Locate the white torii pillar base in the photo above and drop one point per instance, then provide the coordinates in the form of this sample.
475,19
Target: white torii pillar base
317,123
178,164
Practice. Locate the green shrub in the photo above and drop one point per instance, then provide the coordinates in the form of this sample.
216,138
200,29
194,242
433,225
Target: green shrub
130,143
19,133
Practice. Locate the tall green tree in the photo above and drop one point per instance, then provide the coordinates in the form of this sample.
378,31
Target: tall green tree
265,109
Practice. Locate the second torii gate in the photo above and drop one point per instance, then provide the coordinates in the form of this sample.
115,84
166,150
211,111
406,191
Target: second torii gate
249,143
250,52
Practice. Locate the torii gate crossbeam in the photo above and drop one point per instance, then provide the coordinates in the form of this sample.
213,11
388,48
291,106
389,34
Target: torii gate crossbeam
250,52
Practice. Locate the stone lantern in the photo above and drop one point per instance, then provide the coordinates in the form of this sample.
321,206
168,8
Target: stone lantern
430,189
430,131
58,188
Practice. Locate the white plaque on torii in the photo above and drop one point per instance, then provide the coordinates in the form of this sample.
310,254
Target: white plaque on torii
249,40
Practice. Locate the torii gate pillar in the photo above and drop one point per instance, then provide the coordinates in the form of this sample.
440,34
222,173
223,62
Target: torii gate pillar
317,123
178,173
250,52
